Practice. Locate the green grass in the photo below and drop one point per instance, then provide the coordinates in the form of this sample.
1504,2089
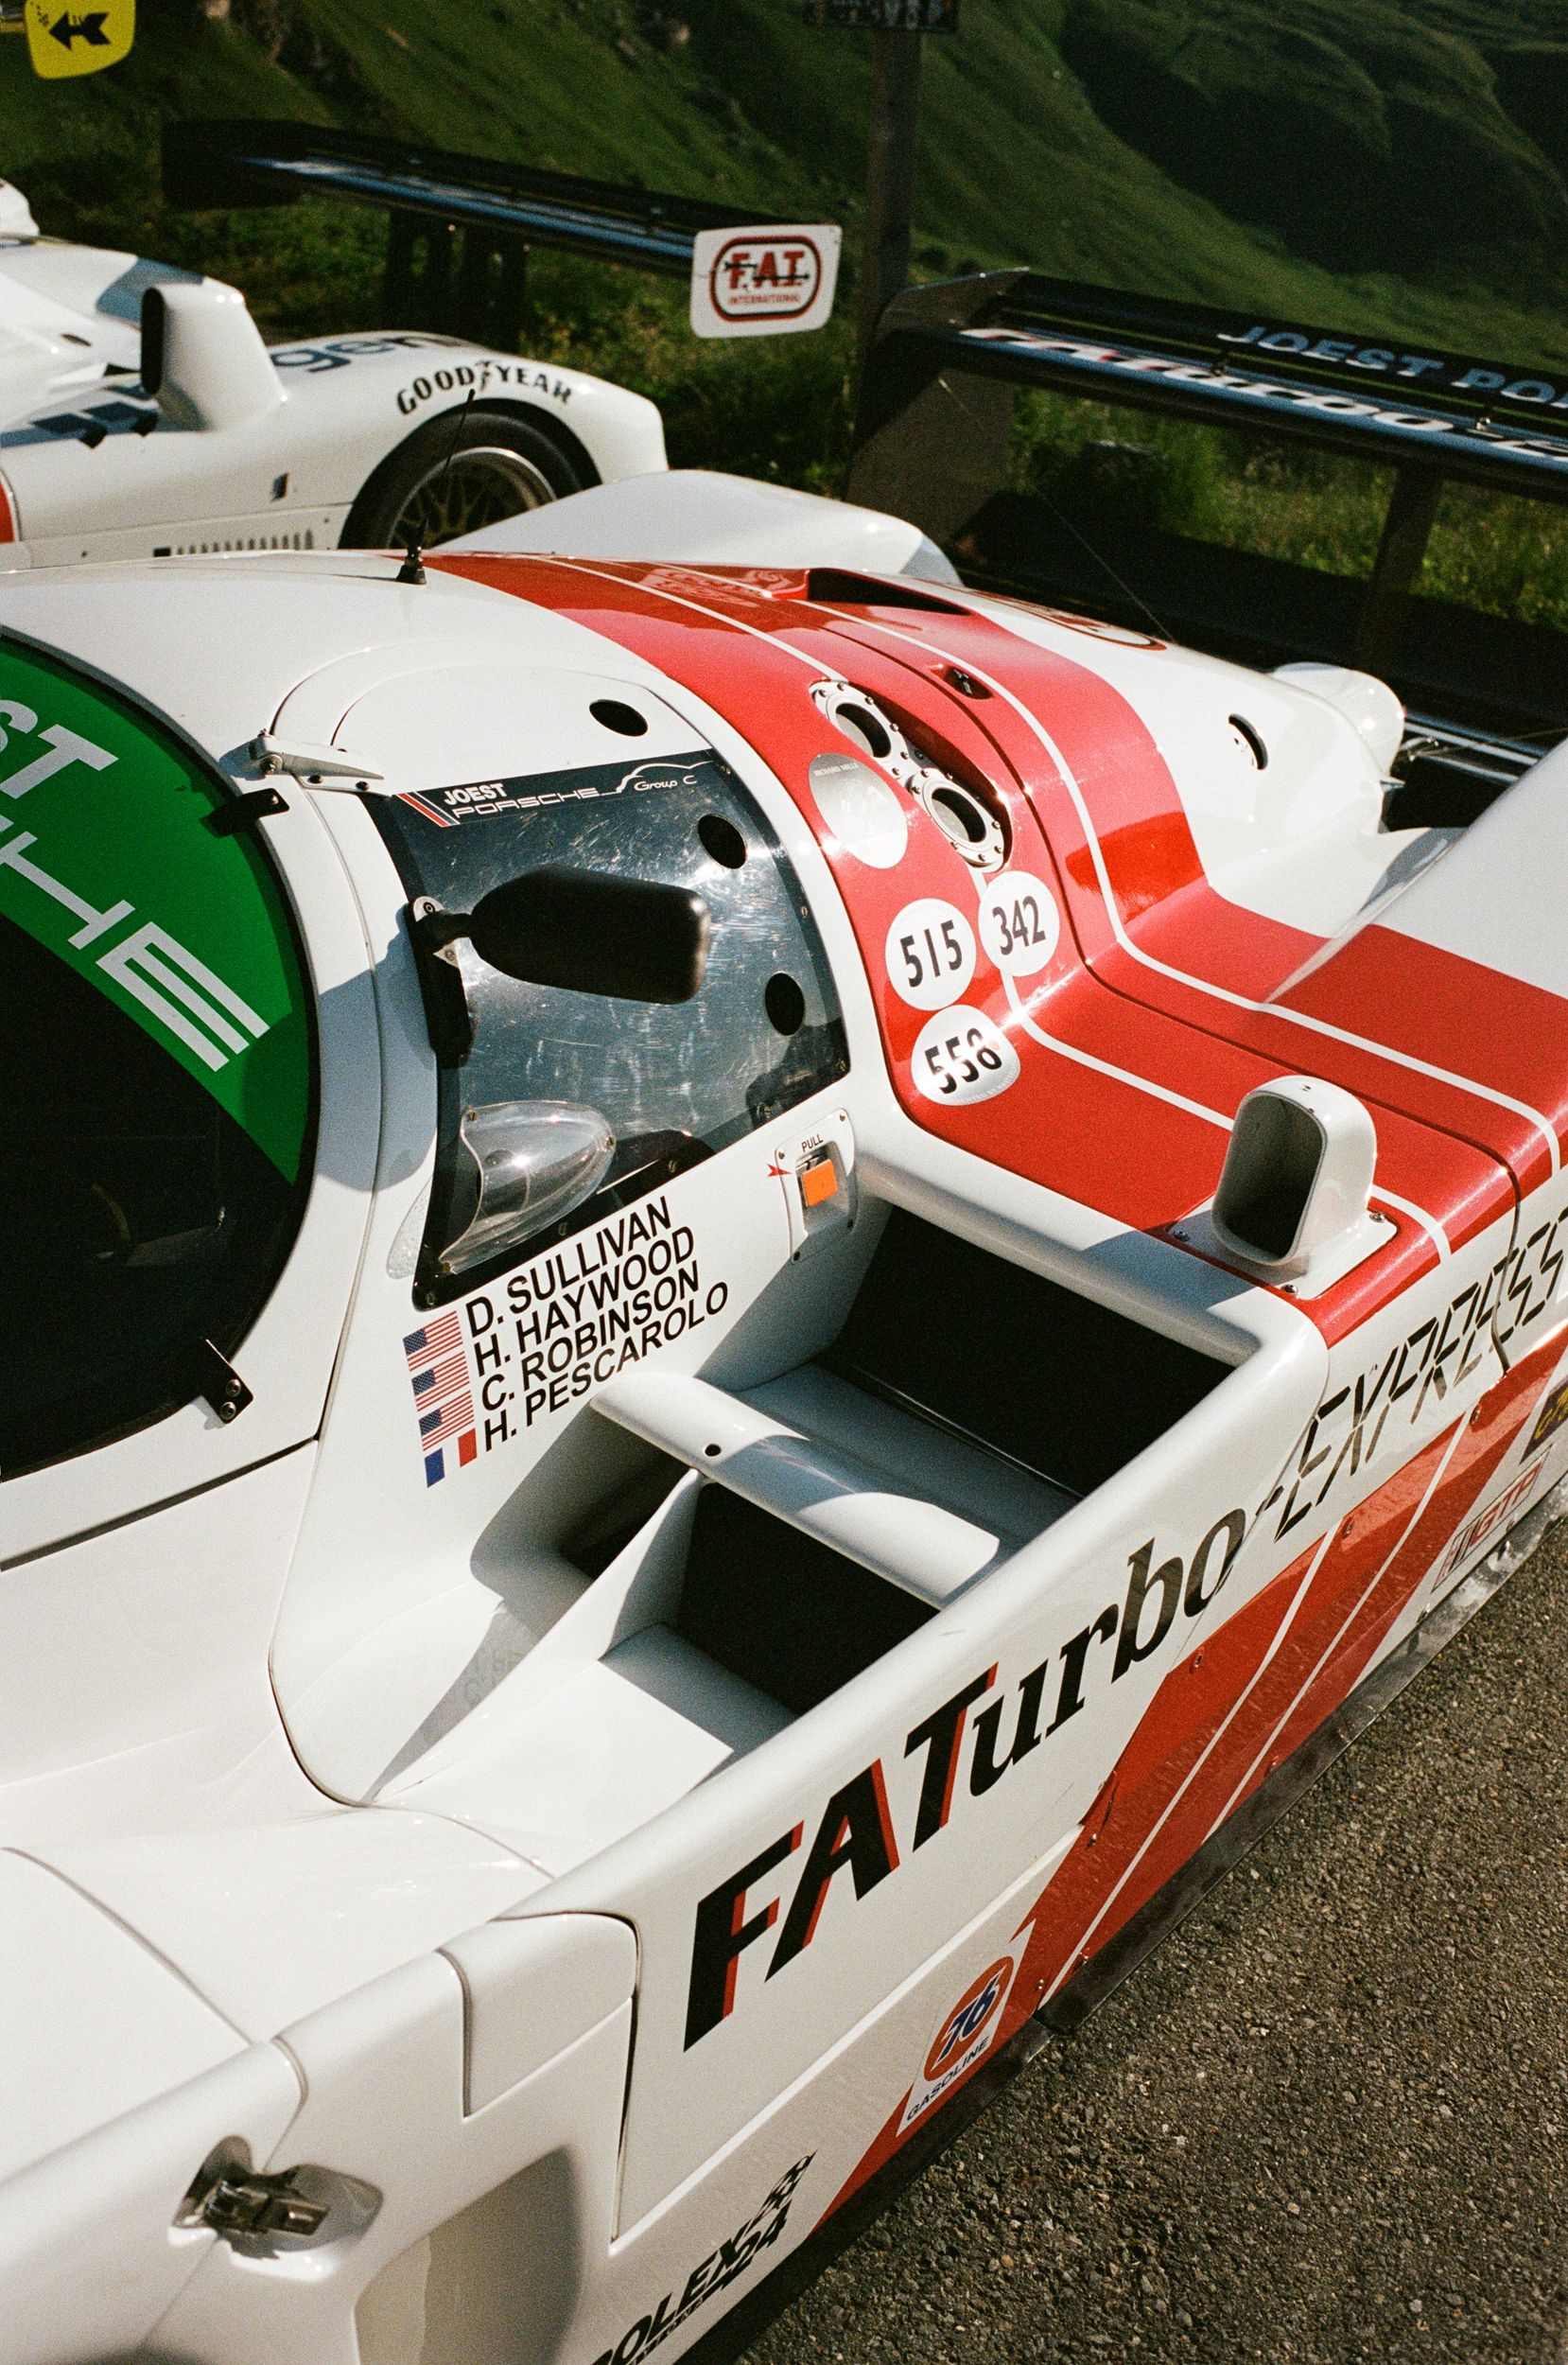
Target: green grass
776,408
1505,556
1031,149
1106,469
1393,166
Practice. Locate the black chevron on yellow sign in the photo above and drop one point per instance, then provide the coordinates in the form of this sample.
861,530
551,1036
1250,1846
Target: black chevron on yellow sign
65,40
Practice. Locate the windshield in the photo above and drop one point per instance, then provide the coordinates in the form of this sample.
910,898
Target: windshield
673,1082
155,1071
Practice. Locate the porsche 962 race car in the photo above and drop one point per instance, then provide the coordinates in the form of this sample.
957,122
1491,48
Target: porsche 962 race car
143,415
736,1295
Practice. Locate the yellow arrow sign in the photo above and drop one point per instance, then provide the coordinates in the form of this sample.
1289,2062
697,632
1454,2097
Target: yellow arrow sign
79,36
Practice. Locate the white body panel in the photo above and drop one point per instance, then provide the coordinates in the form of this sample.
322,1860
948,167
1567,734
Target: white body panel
709,518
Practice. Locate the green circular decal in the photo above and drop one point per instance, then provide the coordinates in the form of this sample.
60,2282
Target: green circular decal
109,859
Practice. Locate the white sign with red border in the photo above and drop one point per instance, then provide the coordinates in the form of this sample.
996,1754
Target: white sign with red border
769,280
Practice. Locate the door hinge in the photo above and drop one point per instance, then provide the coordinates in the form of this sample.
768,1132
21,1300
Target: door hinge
244,810
245,2203
447,1016
215,1378
262,2212
318,767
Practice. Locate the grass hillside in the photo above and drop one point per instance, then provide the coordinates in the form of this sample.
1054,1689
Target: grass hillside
1400,166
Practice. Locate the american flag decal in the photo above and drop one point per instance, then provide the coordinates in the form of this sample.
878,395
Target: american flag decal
438,1373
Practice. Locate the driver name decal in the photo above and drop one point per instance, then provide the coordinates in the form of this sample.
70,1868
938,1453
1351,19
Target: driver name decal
577,1316
488,1371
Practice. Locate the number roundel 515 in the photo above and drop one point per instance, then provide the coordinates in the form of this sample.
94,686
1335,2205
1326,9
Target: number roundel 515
930,955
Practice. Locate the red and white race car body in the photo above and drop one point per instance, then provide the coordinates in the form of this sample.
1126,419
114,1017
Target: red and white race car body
611,1734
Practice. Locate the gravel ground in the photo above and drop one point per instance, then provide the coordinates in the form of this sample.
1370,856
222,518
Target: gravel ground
1326,2120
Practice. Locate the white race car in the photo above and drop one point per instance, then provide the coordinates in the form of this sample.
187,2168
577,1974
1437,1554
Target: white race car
142,415
735,1297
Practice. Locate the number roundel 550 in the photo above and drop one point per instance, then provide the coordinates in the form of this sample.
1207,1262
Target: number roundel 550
962,1056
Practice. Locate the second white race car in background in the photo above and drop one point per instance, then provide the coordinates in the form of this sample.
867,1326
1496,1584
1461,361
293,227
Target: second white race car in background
143,415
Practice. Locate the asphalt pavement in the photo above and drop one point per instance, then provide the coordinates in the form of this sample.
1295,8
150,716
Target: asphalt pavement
1327,2120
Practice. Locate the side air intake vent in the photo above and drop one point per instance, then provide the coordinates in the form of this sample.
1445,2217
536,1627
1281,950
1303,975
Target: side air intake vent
154,320
202,360
1297,1177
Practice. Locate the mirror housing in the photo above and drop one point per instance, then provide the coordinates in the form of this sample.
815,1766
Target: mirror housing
588,931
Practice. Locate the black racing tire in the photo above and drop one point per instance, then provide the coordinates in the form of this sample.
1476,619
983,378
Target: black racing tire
451,477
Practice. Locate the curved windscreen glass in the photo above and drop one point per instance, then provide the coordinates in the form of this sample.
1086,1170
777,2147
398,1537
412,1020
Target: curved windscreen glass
155,1068
673,1081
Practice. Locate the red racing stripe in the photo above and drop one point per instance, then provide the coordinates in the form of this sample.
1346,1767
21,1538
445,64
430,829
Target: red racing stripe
1118,1109
1414,999
1064,1123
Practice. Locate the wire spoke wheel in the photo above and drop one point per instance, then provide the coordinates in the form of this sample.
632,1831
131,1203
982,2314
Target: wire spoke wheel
476,488
461,472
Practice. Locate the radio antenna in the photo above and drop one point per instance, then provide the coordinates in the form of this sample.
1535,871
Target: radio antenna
412,569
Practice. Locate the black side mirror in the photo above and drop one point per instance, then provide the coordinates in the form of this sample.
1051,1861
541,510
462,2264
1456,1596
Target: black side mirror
588,931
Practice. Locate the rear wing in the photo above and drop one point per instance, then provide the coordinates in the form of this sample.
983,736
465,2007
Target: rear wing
460,226
937,440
